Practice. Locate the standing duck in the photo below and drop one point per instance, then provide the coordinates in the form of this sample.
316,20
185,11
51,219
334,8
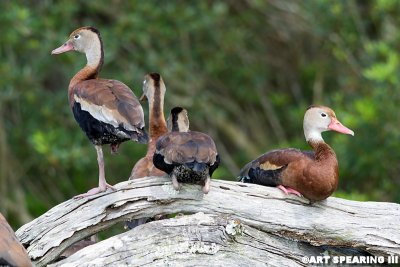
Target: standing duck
313,174
154,91
106,110
12,253
187,156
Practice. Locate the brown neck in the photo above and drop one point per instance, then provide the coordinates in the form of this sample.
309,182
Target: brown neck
87,73
95,60
157,123
322,151
157,126
327,171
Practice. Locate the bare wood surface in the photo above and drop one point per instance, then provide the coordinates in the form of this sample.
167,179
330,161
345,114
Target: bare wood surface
192,240
268,217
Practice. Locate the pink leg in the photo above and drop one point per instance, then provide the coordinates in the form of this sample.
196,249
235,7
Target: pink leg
175,183
206,187
288,190
103,185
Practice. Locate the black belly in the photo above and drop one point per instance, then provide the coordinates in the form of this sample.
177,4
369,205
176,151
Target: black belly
186,174
98,132
193,172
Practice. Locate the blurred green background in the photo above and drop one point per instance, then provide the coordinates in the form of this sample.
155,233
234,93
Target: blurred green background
245,69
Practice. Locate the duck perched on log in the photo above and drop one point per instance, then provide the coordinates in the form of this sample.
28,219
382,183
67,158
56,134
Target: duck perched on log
12,253
313,174
154,91
187,156
106,110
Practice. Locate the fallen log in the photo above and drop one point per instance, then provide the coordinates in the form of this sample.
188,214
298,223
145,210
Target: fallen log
275,228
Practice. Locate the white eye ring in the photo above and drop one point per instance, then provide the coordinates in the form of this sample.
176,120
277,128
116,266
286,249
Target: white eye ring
323,115
77,36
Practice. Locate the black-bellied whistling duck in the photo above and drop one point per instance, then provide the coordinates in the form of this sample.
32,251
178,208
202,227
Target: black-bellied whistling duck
313,174
12,253
187,156
154,91
106,110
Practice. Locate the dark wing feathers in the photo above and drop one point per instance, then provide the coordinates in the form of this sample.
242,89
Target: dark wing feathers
159,162
135,118
185,147
265,177
214,166
113,95
273,160
281,157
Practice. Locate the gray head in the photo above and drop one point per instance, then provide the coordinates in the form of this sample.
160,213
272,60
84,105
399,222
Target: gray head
86,40
153,87
318,119
178,120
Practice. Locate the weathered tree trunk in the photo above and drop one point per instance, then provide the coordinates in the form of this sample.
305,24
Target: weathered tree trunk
234,225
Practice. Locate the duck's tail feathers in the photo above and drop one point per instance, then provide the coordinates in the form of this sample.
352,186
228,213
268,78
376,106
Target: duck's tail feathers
142,137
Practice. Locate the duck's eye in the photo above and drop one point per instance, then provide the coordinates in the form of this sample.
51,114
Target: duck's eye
323,115
77,36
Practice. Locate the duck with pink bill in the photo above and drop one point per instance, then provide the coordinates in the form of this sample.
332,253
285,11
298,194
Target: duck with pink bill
106,110
312,174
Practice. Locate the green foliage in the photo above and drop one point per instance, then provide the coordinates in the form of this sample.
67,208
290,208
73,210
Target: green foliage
245,70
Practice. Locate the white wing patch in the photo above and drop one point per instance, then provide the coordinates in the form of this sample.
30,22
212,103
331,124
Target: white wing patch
269,166
104,114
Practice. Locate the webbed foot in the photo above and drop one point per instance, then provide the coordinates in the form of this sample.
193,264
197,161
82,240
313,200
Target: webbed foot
175,183
206,187
95,191
288,190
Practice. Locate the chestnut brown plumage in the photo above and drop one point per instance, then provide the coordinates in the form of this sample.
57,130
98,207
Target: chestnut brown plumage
313,174
106,110
12,253
187,156
154,91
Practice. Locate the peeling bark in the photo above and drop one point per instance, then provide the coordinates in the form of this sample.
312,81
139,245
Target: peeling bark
277,229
